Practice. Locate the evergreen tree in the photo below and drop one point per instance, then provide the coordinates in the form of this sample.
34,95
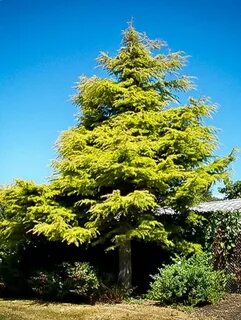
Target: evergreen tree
135,149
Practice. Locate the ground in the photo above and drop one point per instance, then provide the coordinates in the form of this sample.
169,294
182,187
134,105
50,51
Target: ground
228,309
30,310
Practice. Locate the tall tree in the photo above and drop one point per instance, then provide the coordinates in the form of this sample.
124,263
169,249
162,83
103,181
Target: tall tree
135,149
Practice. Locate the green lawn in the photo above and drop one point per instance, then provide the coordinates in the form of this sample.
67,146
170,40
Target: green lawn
31,310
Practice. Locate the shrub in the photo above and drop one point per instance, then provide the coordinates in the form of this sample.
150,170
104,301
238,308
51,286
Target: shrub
190,281
69,282
80,281
47,285
113,293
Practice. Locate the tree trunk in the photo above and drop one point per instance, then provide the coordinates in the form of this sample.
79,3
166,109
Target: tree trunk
125,266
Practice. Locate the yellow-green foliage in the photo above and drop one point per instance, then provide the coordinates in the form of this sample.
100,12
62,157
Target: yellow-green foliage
135,148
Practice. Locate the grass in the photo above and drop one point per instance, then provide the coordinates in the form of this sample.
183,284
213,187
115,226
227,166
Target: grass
32,310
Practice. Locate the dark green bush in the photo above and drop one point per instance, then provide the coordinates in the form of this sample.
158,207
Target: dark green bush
68,282
190,281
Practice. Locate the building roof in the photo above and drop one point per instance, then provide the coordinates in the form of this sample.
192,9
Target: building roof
211,206
220,205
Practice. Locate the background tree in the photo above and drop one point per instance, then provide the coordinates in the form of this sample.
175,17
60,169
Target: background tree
231,190
135,149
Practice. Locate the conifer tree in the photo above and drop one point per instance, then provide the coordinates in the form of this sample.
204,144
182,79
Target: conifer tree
135,149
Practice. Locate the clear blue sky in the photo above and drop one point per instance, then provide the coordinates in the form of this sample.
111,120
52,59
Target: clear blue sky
47,44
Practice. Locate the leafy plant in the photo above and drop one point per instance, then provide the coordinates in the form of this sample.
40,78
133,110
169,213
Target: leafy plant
47,285
222,232
190,281
67,282
80,281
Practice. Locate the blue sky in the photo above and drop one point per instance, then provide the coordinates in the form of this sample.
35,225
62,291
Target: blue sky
47,44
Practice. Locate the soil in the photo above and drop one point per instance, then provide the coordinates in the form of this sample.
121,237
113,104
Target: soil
228,309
